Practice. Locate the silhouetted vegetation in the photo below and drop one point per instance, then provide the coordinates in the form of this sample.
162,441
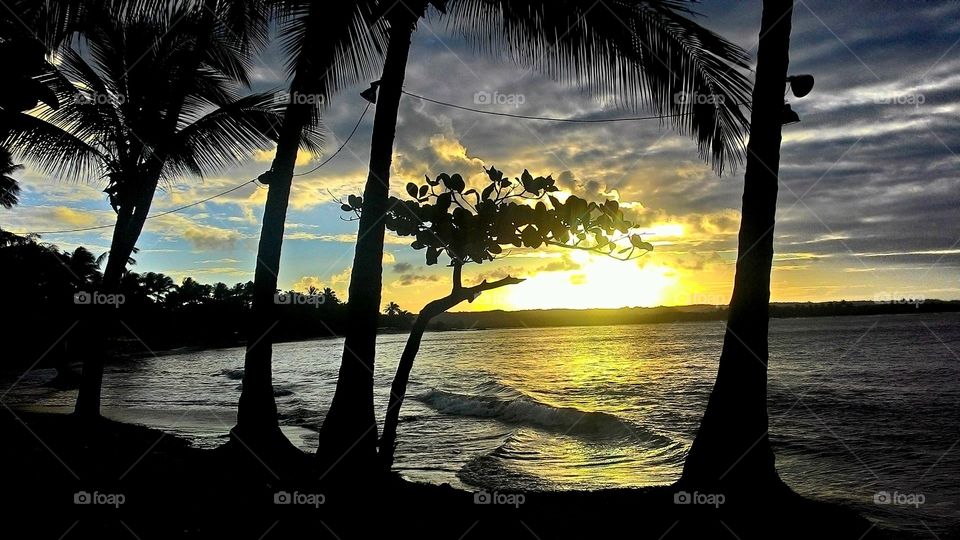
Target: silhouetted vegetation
542,318
55,289
620,55
467,226
138,125
135,94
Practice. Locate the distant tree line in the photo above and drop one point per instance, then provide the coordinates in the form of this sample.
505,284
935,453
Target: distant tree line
543,318
60,299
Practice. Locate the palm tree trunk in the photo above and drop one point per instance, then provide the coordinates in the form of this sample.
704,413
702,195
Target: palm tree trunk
348,437
732,448
126,232
257,421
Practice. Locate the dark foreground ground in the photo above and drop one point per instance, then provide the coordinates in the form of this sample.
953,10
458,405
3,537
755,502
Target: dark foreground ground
132,482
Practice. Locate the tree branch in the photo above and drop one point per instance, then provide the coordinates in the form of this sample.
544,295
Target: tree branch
475,291
469,294
599,250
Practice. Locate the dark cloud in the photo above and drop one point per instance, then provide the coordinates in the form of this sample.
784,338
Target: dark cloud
498,273
407,280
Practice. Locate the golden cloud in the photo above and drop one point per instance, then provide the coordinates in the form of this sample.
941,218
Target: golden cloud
266,156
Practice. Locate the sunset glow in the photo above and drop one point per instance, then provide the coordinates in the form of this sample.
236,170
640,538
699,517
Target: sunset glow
600,283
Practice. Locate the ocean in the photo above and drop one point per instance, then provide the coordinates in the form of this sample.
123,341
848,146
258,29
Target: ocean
864,411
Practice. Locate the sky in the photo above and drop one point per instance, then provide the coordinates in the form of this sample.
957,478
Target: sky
868,206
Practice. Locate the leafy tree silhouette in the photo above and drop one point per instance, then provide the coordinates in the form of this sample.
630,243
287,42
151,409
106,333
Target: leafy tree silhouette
467,226
644,53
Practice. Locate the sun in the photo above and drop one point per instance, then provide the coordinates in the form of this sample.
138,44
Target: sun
600,282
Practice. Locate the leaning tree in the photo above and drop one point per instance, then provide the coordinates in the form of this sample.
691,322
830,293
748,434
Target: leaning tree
645,53
470,226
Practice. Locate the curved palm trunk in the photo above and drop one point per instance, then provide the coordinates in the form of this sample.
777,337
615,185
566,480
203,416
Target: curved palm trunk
398,390
126,232
257,421
732,447
348,437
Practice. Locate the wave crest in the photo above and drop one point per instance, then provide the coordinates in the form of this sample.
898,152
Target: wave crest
530,412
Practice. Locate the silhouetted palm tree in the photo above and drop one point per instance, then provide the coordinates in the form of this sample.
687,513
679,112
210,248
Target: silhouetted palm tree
9,188
220,291
732,448
102,258
392,309
330,297
645,53
243,294
84,267
191,292
328,45
156,99
157,285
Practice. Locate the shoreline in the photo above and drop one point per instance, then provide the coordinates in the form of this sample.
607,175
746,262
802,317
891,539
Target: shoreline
954,308
127,355
209,493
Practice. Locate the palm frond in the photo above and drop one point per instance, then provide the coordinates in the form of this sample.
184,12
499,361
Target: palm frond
330,46
227,135
52,149
9,188
89,109
636,52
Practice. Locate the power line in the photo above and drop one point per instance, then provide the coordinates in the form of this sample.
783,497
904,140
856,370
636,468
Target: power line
161,214
221,194
354,131
547,118
342,146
